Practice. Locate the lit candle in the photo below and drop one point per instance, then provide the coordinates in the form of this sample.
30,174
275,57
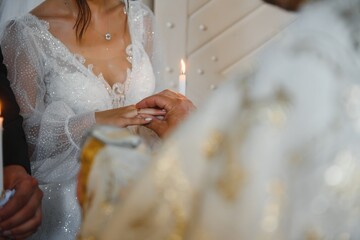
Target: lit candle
182,78
1,154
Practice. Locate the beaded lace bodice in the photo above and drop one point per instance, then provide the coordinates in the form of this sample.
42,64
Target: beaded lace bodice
70,79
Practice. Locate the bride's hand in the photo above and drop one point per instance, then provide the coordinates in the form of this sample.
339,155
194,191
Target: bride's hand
177,107
126,116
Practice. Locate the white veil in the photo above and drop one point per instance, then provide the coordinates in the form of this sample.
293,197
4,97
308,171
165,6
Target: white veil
10,9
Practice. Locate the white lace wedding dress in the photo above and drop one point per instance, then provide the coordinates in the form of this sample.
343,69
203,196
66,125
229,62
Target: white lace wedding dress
58,94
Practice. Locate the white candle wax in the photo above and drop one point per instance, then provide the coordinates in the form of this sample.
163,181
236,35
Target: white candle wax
182,79
182,84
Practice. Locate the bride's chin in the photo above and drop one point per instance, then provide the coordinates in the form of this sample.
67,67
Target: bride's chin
290,5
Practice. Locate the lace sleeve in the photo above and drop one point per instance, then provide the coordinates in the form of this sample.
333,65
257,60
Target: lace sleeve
53,130
152,45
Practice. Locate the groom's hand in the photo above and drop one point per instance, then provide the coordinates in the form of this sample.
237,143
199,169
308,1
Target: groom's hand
176,106
21,216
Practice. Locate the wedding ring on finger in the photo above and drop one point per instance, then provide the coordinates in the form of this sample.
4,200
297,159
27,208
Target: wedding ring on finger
133,113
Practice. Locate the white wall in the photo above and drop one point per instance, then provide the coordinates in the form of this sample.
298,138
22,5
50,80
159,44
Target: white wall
217,37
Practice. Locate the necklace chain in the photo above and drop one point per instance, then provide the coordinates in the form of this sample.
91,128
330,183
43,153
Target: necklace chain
107,36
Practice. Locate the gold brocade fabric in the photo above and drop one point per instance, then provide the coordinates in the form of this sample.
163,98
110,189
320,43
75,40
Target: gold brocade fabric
112,159
90,149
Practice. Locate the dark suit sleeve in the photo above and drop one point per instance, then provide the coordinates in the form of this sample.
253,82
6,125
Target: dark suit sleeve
14,142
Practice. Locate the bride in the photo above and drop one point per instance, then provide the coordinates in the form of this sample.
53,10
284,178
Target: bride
73,64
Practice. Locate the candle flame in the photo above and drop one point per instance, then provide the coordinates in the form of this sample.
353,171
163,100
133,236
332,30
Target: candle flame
183,67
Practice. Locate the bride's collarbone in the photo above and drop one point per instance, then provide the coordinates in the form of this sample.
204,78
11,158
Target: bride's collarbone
92,43
62,26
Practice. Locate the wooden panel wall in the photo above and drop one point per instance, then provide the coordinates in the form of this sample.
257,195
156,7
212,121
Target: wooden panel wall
218,38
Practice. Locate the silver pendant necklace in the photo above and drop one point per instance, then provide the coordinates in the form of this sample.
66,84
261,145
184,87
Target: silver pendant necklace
107,36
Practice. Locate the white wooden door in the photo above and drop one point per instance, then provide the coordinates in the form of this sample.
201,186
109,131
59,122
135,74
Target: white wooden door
218,38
